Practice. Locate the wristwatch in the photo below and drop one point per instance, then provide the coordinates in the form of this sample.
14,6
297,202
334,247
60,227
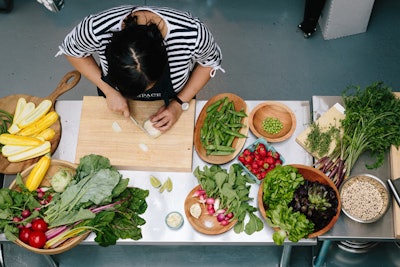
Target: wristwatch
184,105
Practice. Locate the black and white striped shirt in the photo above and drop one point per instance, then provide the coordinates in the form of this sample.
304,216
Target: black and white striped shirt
188,41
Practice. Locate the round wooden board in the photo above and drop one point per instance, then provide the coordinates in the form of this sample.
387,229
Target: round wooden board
206,224
238,143
54,167
9,103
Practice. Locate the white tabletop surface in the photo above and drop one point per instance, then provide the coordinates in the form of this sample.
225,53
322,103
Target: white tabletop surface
155,231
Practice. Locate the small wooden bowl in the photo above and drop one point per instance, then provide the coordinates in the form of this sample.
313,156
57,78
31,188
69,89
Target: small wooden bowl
313,175
273,110
237,143
70,243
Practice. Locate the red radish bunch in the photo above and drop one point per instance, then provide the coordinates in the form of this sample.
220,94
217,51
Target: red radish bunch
213,207
33,233
260,161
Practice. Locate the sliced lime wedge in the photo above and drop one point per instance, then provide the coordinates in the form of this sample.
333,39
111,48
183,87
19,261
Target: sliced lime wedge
154,181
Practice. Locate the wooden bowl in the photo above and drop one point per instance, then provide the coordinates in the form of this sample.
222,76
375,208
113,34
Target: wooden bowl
238,143
70,243
205,224
273,110
313,175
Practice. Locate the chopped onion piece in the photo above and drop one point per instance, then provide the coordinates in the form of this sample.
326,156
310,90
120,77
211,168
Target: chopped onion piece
116,128
143,147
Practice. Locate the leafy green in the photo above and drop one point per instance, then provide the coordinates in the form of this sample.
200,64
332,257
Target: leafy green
11,204
97,199
232,189
372,123
279,186
95,188
122,220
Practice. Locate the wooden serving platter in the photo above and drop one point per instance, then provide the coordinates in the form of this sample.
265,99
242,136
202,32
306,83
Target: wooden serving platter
9,103
237,143
206,223
131,148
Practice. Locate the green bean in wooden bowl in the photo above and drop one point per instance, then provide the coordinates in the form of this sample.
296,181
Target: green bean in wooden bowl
221,128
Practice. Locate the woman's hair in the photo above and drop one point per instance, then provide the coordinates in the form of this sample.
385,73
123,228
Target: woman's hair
136,57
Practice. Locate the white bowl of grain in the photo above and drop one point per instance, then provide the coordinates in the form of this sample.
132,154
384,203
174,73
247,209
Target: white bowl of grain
364,197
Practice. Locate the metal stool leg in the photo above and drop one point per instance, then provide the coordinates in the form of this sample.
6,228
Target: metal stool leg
320,258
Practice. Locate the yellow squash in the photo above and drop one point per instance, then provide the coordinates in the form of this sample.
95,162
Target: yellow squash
46,134
36,114
42,124
11,150
17,140
38,172
31,153
21,114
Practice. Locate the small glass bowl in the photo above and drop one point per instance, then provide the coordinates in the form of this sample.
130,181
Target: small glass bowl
174,220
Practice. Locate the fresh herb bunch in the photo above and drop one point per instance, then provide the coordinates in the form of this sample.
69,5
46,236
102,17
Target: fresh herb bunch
232,189
371,123
319,140
373,113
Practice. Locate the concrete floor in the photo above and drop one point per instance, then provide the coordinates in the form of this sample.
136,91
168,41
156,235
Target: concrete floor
265,57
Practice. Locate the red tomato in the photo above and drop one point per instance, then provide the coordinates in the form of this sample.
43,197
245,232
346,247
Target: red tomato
39,225
37,239
24,234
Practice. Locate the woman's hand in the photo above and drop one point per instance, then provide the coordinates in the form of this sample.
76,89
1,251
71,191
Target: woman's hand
117,103
166,117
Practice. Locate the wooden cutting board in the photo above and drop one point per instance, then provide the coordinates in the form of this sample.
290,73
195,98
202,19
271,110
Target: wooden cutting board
131,148
9,104
330,118
395,174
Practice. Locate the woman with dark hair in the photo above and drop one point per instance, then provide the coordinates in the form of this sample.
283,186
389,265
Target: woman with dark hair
145,53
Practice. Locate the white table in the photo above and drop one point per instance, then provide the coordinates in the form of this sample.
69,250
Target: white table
155,231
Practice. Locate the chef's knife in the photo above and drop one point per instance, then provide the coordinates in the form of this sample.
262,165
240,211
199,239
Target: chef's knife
138,124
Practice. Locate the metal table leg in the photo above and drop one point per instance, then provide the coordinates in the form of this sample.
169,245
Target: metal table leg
320,258
285,258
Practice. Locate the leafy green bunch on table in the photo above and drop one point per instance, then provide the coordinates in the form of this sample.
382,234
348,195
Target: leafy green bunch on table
371,124
97,199
231,187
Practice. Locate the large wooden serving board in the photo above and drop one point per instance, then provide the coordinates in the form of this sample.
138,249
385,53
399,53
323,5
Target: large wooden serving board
131,148
395,174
